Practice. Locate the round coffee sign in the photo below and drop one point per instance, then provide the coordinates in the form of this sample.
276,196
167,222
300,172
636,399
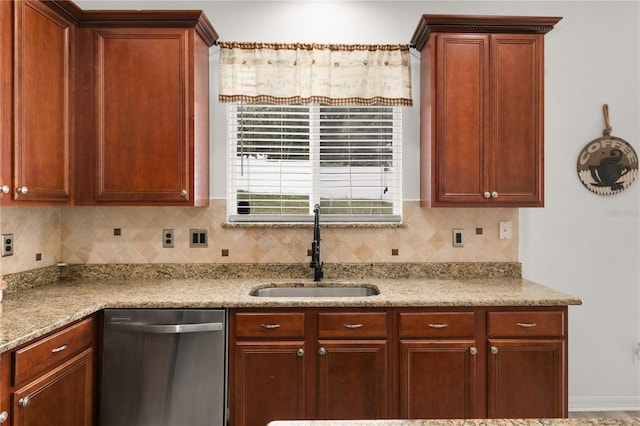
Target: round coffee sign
607,165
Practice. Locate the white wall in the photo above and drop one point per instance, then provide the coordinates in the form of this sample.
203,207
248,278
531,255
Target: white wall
581,243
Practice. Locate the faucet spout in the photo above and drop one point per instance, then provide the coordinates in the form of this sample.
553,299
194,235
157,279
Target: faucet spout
315,263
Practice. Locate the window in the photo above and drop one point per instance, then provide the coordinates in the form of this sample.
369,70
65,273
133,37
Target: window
285,159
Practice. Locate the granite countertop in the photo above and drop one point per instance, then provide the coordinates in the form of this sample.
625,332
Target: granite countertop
470,422
31,313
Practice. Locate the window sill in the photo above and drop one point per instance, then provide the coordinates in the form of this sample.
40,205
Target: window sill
231,225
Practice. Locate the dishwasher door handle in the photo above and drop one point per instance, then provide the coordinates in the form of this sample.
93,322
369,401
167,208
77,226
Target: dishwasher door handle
141,327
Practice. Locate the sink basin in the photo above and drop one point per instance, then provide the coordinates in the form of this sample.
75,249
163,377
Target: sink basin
315,292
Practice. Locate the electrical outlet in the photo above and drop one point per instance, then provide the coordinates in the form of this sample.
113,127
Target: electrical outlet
168,238
7,245
198,238
458,239
505,229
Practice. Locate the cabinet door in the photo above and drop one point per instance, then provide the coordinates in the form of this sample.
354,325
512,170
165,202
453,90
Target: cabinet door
144,119
268,382
352,380
61,397
42,103
6,98
526,378
5,384
462,117
516,163
437,379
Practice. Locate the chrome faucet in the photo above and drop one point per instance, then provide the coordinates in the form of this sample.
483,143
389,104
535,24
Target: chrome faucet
315,246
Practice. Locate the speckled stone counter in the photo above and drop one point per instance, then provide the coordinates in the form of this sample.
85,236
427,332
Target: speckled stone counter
479,422
30,313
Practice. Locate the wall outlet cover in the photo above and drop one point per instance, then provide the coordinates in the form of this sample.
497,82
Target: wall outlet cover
7,245
505,230
168,238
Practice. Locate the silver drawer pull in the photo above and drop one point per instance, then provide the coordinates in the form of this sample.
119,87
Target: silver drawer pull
473,350
25,401
438,325
526,324
352,326
269,326
60,348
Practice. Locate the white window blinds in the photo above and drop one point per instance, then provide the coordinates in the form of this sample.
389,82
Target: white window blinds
284,159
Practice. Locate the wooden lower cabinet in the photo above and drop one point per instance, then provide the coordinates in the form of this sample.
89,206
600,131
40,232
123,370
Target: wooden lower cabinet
61,397
526,378
51,380
352,380
438,364
268,382
438,379
408,363
527,363
308,365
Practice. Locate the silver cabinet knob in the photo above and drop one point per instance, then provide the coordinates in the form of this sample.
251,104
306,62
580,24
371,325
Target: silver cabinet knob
494,350
494,194
473,350
183,193
4,416
23,190
23,402
487,194
322,351
5,190
300,352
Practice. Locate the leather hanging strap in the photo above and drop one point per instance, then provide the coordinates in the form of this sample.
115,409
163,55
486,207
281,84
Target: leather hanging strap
607,130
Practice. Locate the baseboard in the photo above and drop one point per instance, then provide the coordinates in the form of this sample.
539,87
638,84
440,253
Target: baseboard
605,403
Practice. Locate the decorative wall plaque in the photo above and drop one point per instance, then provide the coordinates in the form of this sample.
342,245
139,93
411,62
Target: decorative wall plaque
607,165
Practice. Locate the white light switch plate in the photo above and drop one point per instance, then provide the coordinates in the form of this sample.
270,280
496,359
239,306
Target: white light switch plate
458,238
505,229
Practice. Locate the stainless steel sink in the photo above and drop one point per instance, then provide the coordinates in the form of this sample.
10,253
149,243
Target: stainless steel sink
291,291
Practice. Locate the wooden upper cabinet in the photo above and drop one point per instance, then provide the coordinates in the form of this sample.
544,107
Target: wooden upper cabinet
145,115
37,85
103,107
142,138
6,123
482,103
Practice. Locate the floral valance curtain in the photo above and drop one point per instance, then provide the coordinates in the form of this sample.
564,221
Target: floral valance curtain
315,73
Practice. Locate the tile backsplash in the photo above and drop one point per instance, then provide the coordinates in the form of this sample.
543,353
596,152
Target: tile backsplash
85,235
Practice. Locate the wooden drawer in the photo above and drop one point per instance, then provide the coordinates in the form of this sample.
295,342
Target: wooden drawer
339,325
269,325
437,324
526,324
47,352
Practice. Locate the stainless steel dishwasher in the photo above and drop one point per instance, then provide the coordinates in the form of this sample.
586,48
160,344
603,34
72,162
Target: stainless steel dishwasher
164,367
